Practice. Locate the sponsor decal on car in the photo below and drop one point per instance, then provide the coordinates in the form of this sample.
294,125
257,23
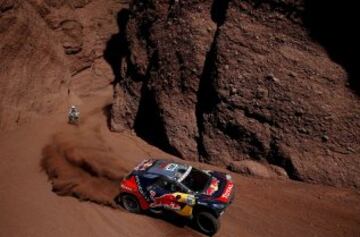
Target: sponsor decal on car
140,188
166,201
227,191
214,186
123,186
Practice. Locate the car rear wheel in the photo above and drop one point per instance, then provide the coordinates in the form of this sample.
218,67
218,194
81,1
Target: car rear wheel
130,203
207,223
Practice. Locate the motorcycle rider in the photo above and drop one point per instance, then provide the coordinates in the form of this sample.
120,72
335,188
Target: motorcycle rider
74,113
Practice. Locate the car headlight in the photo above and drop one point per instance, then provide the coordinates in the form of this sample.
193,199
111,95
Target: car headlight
218,205
228,177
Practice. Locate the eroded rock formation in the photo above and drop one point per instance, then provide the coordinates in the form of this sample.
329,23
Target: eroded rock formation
50,48
31,65
226,81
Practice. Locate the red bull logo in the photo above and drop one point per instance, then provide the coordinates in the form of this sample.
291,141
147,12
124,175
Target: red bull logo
167,201
214,186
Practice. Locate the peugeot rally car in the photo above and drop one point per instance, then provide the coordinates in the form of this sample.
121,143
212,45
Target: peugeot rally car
156,185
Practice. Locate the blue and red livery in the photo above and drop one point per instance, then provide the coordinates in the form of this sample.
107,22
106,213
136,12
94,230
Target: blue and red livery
155,185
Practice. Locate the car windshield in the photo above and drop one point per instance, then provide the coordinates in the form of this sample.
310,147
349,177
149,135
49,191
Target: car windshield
196,180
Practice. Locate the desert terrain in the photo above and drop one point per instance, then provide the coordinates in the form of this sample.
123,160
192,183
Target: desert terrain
253,88
262,207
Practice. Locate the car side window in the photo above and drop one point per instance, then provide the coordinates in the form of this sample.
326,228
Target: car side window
168,185
174,187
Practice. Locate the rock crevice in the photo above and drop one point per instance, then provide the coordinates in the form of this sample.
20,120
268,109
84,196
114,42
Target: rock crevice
238,80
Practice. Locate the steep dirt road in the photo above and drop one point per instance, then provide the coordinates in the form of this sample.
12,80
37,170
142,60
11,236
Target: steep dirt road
28,207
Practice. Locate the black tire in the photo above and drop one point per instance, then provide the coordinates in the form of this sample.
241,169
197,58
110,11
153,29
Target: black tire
130,203
207,223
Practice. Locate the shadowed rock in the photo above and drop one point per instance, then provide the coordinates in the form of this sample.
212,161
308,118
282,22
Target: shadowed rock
226,81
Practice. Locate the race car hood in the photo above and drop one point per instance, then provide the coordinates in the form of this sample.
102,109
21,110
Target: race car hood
220,187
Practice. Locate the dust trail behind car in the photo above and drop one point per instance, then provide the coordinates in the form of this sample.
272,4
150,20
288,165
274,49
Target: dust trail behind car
80,164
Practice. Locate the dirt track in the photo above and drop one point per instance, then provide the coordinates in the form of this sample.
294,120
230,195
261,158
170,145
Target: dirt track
261,208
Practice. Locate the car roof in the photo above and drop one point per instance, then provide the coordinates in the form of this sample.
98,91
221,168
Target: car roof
166,168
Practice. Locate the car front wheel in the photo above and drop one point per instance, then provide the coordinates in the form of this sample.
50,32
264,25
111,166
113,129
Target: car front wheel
207,223
130,203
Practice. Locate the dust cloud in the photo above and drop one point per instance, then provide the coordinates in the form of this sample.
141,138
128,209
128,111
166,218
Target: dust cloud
80,164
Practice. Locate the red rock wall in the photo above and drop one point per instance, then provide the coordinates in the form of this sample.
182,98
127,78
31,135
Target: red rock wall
225,81
49,48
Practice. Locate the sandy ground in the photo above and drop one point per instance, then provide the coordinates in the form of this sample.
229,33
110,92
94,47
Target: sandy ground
28,207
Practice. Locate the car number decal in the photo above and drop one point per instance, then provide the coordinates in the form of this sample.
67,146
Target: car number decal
171,167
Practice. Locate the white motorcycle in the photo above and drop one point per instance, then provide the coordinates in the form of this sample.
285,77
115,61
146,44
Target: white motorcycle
74,116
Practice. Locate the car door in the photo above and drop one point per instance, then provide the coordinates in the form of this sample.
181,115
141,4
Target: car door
170,195
162,194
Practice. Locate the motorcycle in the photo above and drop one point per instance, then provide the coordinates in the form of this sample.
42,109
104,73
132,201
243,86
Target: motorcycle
74,118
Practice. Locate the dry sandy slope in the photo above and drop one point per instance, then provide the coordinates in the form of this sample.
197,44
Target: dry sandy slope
261,208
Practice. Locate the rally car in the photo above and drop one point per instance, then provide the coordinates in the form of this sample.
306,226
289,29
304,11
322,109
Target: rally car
157,185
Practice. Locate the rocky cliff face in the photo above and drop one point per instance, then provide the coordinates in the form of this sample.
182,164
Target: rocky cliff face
50,48
226,81
158,94
31,65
